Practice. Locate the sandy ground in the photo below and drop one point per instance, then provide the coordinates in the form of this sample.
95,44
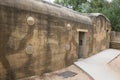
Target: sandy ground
80,75
115,64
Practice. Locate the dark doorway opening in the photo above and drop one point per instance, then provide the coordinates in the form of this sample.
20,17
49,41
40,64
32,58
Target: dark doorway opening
81,44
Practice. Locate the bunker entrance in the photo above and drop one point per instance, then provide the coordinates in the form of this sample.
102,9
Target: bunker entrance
81,45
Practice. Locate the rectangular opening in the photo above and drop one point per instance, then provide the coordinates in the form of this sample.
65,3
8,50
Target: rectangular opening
81,44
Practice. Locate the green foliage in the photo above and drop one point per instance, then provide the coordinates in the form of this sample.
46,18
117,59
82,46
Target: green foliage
73,4
111,10
97,6
114,15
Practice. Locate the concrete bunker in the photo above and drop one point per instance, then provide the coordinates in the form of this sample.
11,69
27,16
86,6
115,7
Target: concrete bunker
50,43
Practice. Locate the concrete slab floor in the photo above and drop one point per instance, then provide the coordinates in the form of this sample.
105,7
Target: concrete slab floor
102,66
79,75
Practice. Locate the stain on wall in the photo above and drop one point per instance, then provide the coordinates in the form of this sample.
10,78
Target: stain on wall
101,34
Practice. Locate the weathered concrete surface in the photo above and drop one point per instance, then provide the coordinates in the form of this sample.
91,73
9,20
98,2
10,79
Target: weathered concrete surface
115,45
101,32
43,7
115,40
51,43
115,36
102,66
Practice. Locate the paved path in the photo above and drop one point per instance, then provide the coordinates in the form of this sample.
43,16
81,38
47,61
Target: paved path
98,66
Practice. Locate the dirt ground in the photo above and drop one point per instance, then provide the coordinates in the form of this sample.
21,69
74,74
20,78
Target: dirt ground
77,74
